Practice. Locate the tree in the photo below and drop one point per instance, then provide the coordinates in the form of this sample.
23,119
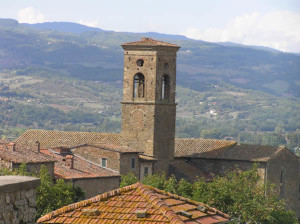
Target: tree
238,193
50,195
128,179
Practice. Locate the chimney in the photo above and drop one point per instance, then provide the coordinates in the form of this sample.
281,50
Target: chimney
38,147
12,146
70,161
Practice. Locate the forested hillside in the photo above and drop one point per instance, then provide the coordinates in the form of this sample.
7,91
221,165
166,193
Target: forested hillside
73,80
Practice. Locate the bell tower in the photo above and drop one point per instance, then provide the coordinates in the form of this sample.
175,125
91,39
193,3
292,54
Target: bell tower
148,105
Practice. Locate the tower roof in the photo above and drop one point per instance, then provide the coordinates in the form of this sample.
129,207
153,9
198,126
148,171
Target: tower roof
150,43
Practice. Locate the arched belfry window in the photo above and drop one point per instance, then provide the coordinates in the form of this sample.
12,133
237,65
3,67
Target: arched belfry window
139,86
165,87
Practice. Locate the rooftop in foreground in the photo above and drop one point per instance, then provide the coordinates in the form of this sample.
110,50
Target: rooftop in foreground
136,203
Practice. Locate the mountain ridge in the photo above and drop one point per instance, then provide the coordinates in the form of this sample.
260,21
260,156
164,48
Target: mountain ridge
68,81
95,53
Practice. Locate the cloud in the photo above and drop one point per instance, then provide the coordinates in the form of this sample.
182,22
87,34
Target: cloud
277,29
30,15
93,23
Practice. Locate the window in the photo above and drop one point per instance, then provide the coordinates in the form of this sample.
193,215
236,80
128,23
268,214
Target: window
146,171
104,162
282,182
132,163
166,66
140,62
165,87
139,86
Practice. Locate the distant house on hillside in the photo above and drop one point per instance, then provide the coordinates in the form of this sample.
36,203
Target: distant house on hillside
136,203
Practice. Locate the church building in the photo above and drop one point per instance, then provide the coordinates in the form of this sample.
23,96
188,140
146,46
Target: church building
147,143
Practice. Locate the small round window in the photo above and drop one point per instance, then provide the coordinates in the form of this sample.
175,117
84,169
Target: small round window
140,62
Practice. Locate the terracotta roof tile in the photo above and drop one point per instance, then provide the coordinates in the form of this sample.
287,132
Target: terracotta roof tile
188,148
197,147
108,147
121,205
224,149
24,155
147,158
149,42
52,139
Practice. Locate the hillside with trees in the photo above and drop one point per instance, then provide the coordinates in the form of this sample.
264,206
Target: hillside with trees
72,81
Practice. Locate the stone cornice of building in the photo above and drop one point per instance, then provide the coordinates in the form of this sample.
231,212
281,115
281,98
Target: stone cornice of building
149,103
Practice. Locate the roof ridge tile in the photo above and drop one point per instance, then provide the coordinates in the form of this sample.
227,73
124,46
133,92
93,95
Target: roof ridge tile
158,203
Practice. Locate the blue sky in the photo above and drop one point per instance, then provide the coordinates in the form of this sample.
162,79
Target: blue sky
273,23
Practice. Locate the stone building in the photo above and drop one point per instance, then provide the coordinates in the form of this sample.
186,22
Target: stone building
61,163
148,105
204,157
13,155
147,141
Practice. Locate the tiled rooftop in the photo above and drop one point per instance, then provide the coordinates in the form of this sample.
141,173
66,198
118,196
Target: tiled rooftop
108,147
52,139
255,153
147,158
197,147
192,148
149,42
24,155
224,149
124,204
81,167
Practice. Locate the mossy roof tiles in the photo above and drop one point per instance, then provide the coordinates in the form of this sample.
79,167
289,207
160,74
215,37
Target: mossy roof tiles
121,205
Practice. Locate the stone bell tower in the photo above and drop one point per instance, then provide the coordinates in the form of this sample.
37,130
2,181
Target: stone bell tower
148,106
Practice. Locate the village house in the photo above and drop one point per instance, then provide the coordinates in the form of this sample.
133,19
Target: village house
147,143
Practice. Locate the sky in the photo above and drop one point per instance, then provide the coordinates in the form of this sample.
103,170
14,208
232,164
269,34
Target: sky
270,23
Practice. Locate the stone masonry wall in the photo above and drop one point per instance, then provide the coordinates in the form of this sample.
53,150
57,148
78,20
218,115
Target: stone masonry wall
283,171
95,186
18,199
125,164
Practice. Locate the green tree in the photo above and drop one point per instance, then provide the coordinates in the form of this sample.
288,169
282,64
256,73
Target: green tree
50,195
238,193
128,179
